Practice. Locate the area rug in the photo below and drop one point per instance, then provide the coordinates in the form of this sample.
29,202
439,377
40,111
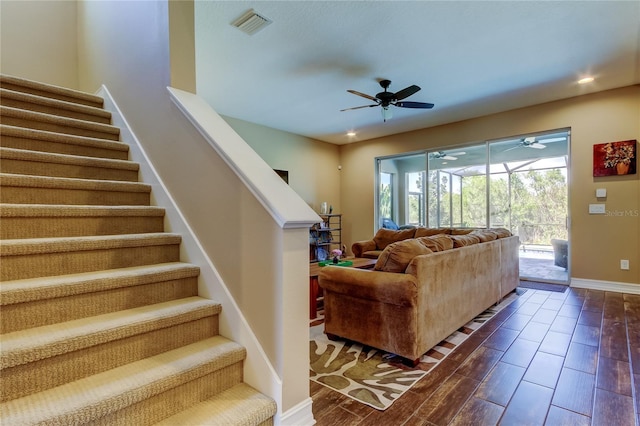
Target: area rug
559,288
375,377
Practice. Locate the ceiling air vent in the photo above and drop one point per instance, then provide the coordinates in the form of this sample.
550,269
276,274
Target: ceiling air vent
251,22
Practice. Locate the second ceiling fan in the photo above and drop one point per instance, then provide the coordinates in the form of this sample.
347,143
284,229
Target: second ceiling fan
386,99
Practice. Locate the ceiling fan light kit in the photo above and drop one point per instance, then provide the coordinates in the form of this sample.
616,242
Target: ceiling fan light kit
386,113
385,99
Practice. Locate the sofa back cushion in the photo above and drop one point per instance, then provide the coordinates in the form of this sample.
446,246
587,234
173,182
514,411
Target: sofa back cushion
502,232
485,235
427,232
461,231
464,240
384,237
437,242
397,256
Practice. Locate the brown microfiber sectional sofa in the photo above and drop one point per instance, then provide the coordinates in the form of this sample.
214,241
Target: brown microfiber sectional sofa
421,289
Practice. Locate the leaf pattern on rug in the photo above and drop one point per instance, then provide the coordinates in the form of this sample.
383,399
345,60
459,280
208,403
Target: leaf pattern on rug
360,372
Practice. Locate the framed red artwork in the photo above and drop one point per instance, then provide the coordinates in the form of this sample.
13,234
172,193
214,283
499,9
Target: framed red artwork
614,158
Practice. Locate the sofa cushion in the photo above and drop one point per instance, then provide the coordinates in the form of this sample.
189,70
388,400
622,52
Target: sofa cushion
464,240
427,232
484,235
501,232
439,242
384,237
372,254
397,256
461,231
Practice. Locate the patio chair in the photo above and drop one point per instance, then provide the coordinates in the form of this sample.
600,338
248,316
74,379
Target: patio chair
560,252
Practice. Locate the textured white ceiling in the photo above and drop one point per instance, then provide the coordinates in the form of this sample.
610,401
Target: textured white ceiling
471,58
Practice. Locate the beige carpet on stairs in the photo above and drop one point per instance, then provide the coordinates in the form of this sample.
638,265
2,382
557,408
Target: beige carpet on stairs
101,319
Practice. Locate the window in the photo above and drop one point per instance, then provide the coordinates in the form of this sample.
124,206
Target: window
386,195
415,198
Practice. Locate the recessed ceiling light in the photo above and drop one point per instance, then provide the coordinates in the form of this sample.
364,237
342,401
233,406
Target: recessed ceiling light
585,80
351,134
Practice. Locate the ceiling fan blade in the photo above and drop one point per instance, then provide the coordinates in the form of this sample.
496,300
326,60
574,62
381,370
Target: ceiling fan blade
405,93
363,106
536,145
513,147
422,105
449,157
458,153
364,95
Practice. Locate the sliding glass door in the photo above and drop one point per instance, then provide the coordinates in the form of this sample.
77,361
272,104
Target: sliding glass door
401,191
457,187
517,183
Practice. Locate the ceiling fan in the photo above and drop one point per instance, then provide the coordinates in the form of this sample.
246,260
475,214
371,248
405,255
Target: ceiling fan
531,142
441,155
386,99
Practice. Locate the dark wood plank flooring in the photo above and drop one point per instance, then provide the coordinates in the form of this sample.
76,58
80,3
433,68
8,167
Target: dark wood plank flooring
549,358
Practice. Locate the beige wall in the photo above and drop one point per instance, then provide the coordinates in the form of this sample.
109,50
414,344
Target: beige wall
182,45
598,241
38,41
312,164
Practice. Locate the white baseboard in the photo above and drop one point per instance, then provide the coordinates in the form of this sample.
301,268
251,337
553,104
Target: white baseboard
299,415
617,287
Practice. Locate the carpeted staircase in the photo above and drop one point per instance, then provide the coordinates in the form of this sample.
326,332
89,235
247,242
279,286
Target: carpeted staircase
101,323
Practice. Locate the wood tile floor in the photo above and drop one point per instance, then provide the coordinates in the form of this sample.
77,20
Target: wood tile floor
569,358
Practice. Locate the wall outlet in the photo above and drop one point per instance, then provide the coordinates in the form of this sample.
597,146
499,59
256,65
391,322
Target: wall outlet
597,209
624,264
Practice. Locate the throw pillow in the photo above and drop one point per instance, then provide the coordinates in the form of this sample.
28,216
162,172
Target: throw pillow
384,237
437,242
464,240
397,256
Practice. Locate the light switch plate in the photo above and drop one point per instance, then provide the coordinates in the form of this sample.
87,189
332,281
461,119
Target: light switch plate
596,208
601,192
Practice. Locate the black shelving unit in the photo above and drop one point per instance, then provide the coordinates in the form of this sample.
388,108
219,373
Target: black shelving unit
324,237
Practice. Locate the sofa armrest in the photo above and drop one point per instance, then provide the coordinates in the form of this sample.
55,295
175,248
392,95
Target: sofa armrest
386,287
360,247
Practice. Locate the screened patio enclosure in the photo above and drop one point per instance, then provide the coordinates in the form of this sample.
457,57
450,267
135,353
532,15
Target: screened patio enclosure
516,183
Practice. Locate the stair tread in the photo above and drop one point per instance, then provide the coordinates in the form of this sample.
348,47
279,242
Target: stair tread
239,405
5,78
100,242
63,210
6,111
29,289
23,132
30,181
104,393
49,157
30,345
54,103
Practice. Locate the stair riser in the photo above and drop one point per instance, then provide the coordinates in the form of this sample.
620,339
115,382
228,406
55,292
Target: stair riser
48,264
37,376
62,148
48,227
46,94
37,168
32,106
22,195
25,315
168,403
53,127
